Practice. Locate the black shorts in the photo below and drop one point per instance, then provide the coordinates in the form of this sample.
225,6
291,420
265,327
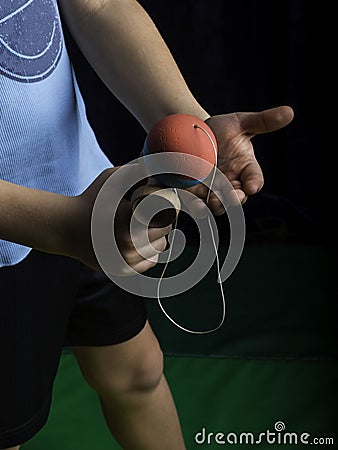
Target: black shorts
48,302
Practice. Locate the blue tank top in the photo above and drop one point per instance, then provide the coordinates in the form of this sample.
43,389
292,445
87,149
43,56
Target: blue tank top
46,141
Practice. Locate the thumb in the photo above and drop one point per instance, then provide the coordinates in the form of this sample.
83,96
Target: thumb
265,121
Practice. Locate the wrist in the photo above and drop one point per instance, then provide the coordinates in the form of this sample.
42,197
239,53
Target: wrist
193,109
74,230
56,226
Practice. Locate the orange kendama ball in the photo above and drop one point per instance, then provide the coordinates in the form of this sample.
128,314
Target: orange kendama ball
183,135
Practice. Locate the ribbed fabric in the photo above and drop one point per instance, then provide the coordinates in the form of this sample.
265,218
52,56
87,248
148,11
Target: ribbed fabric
45,139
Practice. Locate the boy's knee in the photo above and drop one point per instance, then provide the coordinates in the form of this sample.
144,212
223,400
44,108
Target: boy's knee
146,374
142,373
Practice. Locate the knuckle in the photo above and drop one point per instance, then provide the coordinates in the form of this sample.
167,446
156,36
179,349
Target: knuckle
162,244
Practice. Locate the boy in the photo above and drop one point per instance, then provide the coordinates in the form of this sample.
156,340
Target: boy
51,170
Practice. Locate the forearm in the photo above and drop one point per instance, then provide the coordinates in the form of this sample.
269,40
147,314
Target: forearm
124,47
34,218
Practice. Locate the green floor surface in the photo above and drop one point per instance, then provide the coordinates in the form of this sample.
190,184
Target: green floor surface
215,394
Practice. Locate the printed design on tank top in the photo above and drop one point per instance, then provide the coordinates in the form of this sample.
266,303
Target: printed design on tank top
30,39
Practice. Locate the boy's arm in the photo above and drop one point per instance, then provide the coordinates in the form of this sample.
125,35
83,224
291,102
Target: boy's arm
52,223
32,217
124,47
58,224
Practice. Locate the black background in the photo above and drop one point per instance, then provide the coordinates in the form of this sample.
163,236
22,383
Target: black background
246,55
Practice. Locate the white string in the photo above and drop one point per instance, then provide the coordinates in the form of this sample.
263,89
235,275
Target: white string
216,254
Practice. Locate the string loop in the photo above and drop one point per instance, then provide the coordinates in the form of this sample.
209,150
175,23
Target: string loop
187,330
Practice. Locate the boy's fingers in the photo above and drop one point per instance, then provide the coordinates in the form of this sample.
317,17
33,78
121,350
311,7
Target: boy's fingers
252,178
266,121
156,233
149,252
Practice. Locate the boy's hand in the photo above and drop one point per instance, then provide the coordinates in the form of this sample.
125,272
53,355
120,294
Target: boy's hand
149,251
236,158
79,240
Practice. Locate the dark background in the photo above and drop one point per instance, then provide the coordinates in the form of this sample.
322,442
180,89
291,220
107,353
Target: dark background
246,55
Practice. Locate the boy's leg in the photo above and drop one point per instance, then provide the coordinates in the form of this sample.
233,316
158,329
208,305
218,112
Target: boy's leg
35,305
134,394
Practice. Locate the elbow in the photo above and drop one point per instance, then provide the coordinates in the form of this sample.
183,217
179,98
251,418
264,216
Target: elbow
91,7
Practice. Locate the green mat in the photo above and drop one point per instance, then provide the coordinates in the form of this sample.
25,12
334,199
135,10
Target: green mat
218,395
